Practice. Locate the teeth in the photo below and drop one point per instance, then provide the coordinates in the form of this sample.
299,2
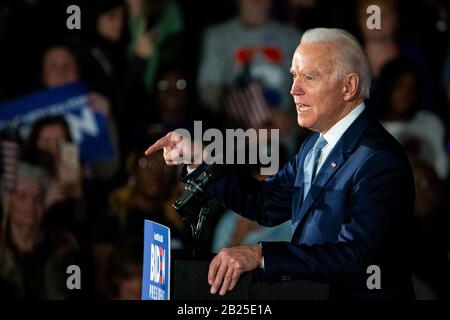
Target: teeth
302,107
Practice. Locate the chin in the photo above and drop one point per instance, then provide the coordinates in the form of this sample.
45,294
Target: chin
302,122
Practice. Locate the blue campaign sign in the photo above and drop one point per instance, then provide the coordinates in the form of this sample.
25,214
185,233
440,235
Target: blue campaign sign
88,128
156,268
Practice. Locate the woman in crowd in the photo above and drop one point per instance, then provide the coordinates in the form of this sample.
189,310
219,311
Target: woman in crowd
60,67
421,132
145,196
64,200
34,256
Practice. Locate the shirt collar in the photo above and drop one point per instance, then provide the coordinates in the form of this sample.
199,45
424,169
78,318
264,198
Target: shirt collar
335,132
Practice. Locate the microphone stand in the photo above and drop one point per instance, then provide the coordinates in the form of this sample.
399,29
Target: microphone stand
196,228
196,192
203,214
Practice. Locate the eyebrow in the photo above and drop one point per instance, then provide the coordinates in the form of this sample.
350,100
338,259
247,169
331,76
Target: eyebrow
313,72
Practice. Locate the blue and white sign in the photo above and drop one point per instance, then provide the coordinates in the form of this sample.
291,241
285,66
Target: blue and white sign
88,128
156,269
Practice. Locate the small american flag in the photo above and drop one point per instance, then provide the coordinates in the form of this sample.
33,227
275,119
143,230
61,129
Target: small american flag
247,107
9,152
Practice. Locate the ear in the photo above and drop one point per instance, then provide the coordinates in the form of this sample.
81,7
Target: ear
350,87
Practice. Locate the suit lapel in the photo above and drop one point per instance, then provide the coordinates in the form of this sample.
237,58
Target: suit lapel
330,167
326,172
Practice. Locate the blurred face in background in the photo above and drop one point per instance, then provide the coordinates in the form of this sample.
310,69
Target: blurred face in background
389,19
172,95
254,12
403,96
49,139
154,178
59,67
130,288
27,203
110,24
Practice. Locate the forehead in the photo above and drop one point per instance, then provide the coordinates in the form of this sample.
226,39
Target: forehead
318,57
59,53
52,130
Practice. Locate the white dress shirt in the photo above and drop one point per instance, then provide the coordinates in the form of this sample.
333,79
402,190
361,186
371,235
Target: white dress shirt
333,135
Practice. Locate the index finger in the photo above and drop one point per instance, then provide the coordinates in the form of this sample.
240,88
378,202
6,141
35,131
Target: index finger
158,145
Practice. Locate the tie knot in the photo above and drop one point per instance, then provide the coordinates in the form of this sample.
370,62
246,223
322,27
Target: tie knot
320,143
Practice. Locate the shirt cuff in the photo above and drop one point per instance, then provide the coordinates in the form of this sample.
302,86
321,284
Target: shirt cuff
189,171
262,257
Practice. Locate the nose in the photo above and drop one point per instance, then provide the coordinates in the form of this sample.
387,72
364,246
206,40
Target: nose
297,87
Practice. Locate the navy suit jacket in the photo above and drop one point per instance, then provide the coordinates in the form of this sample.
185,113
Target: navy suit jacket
357,214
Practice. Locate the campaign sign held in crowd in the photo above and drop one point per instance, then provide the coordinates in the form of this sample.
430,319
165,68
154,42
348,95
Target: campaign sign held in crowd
88,128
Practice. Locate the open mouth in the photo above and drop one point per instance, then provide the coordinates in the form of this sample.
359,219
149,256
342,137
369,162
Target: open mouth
302,107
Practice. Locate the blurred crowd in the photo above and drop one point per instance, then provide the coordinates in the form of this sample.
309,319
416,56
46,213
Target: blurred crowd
156,65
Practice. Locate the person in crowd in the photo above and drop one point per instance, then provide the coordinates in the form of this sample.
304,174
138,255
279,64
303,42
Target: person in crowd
431,241
124,272
384,44
388,43
149,187
172,100
64,198
421,132
301,14
34,256
249,49
121,56
60,67
143,197
170,107
156,37
250,37
102,53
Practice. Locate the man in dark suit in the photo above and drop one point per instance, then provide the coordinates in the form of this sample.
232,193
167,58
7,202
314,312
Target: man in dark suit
349,191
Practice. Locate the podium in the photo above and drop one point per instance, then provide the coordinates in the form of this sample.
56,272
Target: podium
190,275
190,282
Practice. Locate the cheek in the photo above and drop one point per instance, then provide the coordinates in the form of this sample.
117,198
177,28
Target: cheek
39,212
323,96
72,74
332,92
51,76
104,26
326,104
395,97
119,25
53,151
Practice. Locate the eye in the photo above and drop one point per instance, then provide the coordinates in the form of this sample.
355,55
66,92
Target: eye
309,78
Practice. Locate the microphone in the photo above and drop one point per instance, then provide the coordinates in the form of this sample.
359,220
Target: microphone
197,186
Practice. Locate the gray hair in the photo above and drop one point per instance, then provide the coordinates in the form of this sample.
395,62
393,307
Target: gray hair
26,171
351,57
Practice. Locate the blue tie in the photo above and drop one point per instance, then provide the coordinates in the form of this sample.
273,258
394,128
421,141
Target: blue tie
309,167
